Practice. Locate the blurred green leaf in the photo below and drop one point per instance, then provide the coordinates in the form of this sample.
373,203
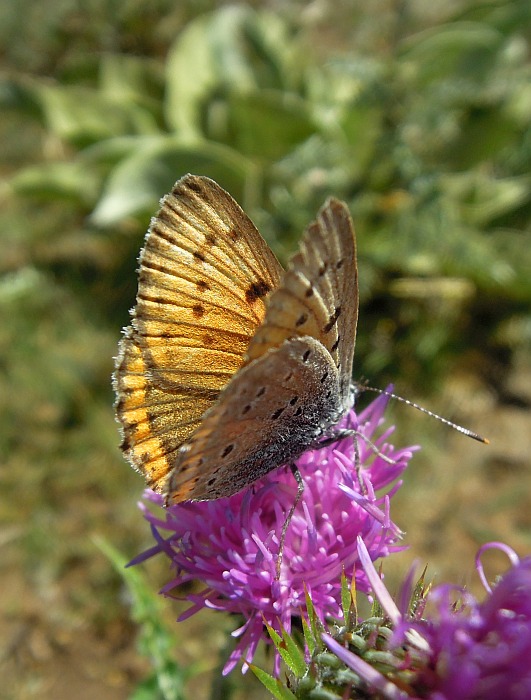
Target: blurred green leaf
458,49
136,184
208,51
156,639
233,51
82,115
267,125
57,181
483,198
132,80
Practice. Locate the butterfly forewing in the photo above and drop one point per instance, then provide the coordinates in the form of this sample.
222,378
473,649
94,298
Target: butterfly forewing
204,274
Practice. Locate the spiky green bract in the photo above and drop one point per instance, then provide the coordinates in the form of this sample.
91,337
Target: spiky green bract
274,685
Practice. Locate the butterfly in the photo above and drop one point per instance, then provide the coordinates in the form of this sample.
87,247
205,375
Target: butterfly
231,366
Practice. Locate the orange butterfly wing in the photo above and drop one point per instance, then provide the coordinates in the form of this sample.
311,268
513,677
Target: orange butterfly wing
204,273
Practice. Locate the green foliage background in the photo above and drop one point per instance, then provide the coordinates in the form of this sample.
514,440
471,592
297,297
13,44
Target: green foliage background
418,116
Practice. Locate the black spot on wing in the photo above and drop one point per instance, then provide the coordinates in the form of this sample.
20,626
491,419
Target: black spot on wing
194,185
332,320
257,290
226,452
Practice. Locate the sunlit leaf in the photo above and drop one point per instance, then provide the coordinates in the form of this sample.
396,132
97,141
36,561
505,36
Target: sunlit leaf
136,184
83,115
439,52
57,181
268,124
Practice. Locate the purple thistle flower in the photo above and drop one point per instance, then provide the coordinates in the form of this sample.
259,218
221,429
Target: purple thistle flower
231,544
468,650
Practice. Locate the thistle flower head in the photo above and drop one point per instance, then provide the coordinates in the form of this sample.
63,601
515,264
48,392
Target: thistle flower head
231,544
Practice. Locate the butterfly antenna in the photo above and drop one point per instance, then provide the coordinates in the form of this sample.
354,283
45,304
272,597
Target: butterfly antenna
300,489
455,426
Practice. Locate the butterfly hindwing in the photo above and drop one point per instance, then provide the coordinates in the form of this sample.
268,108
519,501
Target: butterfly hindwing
269,413
204,274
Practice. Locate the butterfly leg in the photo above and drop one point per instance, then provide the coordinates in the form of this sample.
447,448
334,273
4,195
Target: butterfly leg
300,488
336,437
340,435
357,458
